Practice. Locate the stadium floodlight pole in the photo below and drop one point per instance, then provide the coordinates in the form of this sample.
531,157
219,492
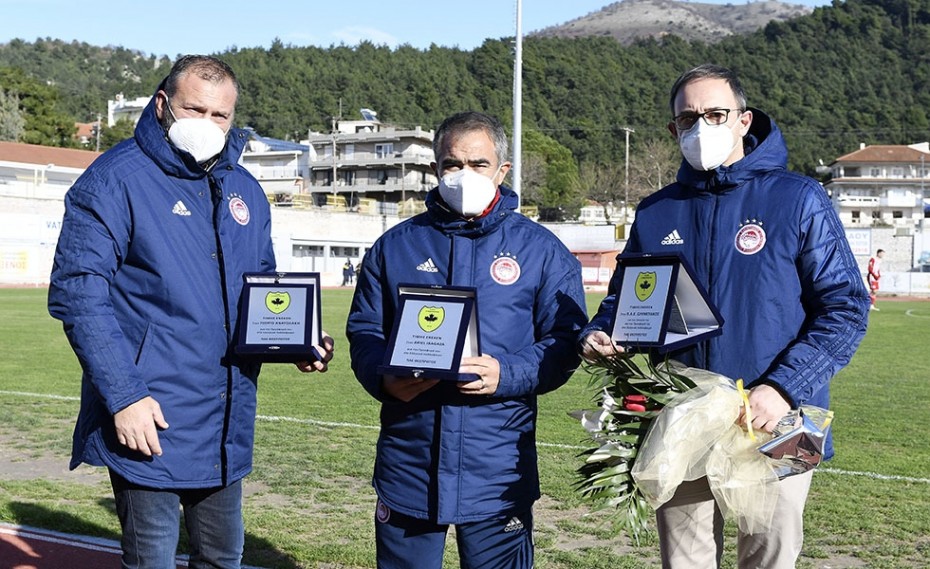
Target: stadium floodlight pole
626,176
518,105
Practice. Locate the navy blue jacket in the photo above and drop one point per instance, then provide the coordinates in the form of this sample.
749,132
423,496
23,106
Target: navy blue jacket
146,280
769,248
445,456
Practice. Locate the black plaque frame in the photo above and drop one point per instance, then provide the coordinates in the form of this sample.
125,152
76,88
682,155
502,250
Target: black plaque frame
443,294
280,350
686,303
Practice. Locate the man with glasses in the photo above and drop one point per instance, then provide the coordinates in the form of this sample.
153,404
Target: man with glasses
770,250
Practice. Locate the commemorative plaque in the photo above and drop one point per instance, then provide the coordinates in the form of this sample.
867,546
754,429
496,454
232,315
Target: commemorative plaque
279,317
660,305
434,328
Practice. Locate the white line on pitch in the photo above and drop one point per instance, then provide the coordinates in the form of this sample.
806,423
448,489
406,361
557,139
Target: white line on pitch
874,476
273,419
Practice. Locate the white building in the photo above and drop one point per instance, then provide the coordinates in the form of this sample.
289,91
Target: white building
307,237
882,195
280,166
883,186
42,172
594,213
366,166
122,108
33,182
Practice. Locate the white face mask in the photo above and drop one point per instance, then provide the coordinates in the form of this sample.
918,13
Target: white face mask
467,192
706,147
201,138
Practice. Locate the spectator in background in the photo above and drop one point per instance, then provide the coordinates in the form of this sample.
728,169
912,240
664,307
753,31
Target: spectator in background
346,272
875,273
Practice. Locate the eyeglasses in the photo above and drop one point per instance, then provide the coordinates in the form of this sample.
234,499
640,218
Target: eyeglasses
713,117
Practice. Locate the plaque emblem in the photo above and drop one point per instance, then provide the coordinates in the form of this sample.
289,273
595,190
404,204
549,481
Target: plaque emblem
430,318
645,285
277,302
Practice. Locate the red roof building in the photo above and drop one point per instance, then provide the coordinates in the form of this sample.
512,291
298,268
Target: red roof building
33,171
882,186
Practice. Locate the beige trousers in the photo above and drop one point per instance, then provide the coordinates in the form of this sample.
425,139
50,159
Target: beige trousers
691,529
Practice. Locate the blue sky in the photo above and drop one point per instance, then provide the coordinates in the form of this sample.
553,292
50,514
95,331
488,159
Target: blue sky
173,27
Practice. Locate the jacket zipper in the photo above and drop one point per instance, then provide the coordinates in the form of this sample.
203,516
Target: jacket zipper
711,276
216,194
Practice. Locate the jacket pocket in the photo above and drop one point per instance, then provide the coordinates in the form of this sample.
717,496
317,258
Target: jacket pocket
144,351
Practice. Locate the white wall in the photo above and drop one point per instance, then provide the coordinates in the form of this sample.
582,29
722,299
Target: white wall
328,229
578,237
29,230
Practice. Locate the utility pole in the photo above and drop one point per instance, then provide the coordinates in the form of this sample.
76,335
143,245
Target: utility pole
334,149
98,132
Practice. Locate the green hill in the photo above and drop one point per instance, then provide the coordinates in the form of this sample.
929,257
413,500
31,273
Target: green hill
854,72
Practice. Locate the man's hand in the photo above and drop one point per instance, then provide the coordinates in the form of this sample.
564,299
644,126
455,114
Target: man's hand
406,388
137,426
322,364
598,343
488,370
767,406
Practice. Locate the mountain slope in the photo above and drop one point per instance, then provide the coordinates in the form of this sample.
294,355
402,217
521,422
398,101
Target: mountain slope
632,19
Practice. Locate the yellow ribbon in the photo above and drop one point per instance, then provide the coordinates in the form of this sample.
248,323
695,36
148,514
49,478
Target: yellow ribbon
747,412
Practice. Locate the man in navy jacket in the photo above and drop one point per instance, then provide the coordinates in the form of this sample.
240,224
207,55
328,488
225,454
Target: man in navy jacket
770,250
147,276
464,453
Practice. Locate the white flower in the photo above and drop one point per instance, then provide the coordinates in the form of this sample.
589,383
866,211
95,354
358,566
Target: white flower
609,403
593,421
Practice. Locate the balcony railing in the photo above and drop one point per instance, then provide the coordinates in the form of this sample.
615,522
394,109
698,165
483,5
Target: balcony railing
370,159
273,172
391,186
858,201
339,204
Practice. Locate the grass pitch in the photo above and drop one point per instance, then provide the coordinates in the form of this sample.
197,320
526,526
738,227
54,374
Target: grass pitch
310,504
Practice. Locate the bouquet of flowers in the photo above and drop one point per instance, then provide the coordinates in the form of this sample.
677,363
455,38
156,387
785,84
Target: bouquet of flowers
660,425
631,392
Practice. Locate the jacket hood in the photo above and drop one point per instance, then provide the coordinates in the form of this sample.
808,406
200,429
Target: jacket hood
451,222
765,151
151,138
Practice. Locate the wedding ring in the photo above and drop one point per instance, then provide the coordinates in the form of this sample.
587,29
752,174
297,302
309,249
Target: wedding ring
482,385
